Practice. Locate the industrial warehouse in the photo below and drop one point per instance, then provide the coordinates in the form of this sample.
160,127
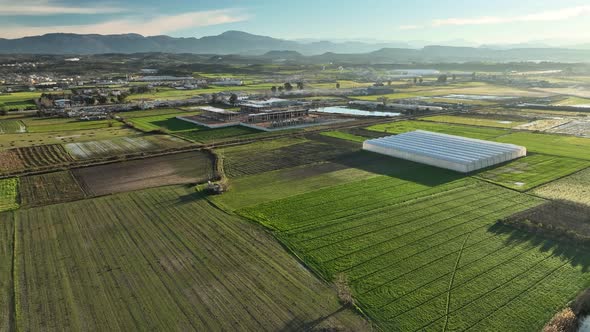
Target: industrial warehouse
445,151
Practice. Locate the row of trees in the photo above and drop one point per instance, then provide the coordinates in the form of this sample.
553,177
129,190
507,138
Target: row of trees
287,87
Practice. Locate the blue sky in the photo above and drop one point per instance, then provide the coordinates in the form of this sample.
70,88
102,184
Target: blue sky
498,21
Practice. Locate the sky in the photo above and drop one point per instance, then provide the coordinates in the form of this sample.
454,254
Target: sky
477,21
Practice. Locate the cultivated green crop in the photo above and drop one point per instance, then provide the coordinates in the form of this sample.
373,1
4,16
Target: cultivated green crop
12,127
430,257
532,171
460,130
557,145
51,188
166,122
474,121
8,194
204,135
161,259
345,136
575,188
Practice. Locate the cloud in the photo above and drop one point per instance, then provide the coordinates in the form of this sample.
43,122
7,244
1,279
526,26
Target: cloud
554,15
47,8
148,27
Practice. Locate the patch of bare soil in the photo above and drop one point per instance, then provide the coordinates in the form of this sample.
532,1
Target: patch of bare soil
183,168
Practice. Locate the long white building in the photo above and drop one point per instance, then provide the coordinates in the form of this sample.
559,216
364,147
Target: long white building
456,153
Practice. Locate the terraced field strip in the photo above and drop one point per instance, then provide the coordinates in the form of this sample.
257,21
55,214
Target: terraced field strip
121,146
51,188
8,194
474,121
450,129
532,171
161,259
12,127
258,158
422,257
575,188
44,155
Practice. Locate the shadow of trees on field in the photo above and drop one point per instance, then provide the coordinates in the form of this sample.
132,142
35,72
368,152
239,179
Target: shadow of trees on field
578,256
398,168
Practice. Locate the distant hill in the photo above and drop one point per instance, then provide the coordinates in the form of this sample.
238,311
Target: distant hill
242,43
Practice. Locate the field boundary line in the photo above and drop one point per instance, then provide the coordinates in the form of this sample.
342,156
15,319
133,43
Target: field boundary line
452,281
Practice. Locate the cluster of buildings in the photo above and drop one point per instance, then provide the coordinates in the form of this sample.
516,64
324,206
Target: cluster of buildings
267,115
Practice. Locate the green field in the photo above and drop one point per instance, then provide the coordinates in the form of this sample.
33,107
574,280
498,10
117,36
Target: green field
344,136
575,188
122,146
12,127
532,171
205,135
18,100
8,194
460,130
8,141
161,259
166,122
6,284
170,93
557,145
150,112
428,255
474,121
38,125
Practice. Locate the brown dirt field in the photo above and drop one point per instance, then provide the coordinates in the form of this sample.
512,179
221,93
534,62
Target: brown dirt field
9,161
183,168
561,220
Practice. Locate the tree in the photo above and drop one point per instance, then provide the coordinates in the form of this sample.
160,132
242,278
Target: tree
233,99
214,98
288,86
281,89
442,79
384,100
415,80
454,77
102,99
338,85
273,89
420,80
300,85
389,82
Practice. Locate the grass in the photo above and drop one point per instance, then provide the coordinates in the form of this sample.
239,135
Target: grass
165,122
474,121
18,100
344,136
8,194
12,127
532,171
151,112
50,188
460,130
160,259
556,145
573,101
427,254
121,146
575,188
63,125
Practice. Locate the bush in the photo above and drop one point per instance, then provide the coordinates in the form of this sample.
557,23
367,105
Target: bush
564,321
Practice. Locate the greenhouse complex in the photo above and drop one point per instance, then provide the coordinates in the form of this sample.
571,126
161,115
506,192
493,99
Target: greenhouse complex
456,153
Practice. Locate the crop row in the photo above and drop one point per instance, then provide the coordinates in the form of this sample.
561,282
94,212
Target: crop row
420,257
8,194
12,127
151,260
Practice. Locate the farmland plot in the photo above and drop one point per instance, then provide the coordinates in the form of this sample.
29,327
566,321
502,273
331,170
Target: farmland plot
51,188
259,158
121,146
44,125
12,127
183,168
450,129
9,141
6,285
167,122
575,188
556,145
475,121
576,127
205,135
8,194
532,171
161,259
422,257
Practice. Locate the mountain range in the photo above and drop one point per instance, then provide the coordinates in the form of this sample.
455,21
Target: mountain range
242,43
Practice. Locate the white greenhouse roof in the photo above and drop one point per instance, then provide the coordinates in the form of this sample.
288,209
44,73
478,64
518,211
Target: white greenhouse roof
447,151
